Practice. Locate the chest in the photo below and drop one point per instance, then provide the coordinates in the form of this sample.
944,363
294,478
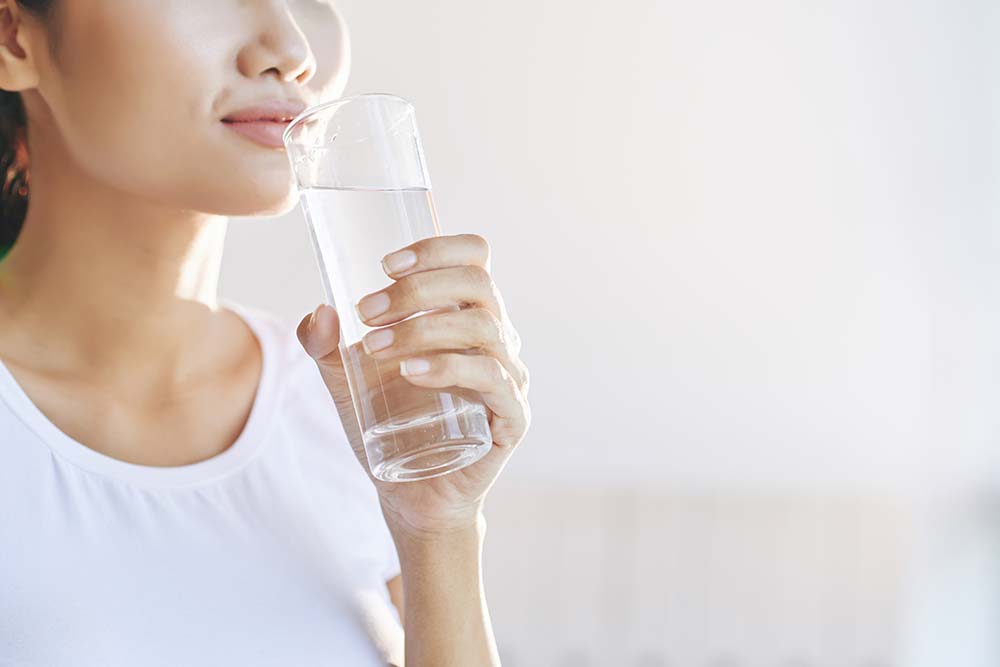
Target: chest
147,428
139,586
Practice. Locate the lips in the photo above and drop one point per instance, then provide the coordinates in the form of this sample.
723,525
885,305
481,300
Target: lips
264,132
265,123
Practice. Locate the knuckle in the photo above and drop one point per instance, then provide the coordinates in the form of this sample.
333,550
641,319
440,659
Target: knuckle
481,241
498,371
491,331
413,333
458,366
408,290
477,275
429,250
525,376
515,339
512,340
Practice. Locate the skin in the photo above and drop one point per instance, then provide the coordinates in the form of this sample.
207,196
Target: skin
133,175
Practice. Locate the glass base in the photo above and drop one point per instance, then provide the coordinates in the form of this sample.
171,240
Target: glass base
432,462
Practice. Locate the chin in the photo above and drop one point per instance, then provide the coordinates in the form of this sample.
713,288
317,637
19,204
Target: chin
246,203
259,192
257,204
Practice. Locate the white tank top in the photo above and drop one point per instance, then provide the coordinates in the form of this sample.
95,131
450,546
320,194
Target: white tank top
274,552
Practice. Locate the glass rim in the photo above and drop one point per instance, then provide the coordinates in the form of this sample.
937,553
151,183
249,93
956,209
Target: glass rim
313,110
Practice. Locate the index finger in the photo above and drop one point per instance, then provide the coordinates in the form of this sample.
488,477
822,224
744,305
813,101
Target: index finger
438,252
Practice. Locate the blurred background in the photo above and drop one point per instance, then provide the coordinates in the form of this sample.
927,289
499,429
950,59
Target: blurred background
752,250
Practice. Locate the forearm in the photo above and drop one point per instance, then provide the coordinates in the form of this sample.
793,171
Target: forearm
446,621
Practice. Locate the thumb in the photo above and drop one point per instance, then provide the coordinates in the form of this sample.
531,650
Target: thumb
319,334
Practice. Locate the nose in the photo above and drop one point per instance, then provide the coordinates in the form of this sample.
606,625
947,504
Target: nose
280,45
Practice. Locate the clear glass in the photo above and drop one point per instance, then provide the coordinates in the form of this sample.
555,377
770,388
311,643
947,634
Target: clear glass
365,191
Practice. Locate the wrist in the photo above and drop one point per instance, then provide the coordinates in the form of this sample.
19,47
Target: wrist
457,534
439,525
446,619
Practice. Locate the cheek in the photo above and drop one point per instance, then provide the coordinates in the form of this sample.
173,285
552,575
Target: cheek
162,147
141,113
119,83
130,101
138,104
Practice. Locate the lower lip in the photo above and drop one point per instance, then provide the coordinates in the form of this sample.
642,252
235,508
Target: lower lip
264,132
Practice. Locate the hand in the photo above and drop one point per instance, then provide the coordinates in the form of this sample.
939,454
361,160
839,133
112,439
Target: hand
451,277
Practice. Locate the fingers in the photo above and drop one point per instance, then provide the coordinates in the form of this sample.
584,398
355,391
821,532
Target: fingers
471,329
499,389
438,252
319,334
462,286
447,281
424,284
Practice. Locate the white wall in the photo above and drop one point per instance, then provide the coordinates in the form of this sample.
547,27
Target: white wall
756,222
748,246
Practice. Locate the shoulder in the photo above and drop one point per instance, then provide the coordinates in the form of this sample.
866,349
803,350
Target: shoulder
276,331
310,425
307,413
288,360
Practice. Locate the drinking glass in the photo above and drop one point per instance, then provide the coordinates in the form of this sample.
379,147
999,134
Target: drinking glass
365,192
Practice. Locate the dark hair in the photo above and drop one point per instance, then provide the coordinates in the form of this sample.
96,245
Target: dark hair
14,176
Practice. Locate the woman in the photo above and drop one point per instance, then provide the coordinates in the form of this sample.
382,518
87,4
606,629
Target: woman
176,485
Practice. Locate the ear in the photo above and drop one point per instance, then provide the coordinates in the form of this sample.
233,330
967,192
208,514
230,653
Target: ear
17,66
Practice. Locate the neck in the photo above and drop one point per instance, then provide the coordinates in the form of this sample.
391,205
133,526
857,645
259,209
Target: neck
105,283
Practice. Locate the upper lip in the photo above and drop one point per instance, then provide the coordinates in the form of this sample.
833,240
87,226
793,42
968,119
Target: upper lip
270,110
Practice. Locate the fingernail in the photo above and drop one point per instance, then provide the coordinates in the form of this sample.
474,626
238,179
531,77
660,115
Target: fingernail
399,261
376,340
373,305
414,366
316,326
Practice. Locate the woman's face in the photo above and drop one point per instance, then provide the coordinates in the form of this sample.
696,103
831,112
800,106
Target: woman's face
136,92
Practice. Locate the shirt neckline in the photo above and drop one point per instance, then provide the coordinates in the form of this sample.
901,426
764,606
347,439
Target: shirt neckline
247,444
